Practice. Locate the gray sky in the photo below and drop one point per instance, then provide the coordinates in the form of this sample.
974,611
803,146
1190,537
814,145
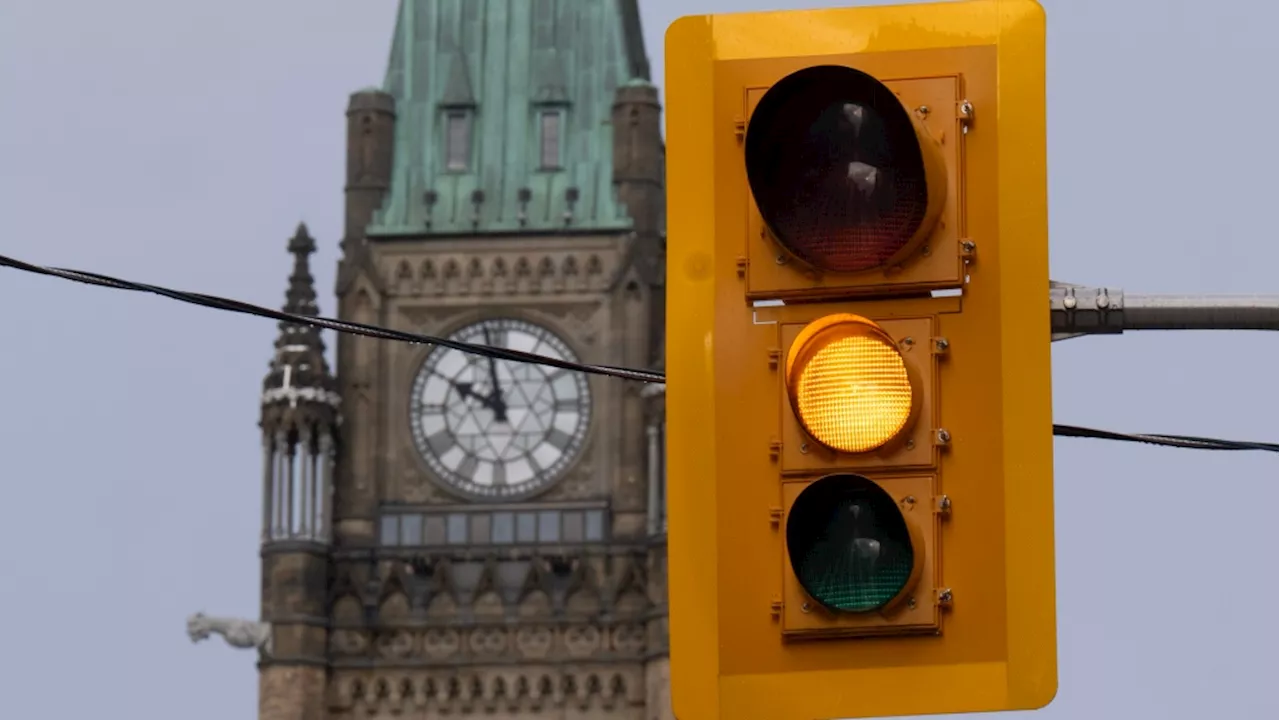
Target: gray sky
180,143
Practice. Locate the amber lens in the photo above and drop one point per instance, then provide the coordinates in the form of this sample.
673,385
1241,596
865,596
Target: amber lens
849,384
836,169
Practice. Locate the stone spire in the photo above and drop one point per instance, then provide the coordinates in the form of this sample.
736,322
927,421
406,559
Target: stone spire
299,360
299,416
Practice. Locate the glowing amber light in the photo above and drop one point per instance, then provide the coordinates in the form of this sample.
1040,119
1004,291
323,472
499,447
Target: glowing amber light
848,384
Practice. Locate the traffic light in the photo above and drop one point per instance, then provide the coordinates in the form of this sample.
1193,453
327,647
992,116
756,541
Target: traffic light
858,382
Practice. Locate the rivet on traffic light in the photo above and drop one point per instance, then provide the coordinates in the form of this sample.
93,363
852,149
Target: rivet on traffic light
848,384
846,179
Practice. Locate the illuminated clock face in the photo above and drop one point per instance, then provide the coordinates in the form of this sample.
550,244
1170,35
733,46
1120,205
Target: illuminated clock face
494,428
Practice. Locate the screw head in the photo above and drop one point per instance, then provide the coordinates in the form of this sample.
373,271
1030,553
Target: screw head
944,596
805,607
944,436
804,448
911,602
942,344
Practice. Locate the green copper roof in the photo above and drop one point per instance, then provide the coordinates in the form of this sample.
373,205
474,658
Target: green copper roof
493,74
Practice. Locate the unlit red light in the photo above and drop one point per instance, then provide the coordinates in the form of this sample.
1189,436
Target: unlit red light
840,171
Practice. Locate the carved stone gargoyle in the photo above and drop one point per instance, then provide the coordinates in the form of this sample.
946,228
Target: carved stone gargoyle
240,634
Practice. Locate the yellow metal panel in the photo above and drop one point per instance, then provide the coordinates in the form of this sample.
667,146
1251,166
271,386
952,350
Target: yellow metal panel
997,648
692,394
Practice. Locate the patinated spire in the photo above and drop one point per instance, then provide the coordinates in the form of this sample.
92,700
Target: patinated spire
490,109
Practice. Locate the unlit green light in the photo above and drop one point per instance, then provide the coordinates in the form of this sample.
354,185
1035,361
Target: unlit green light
848,543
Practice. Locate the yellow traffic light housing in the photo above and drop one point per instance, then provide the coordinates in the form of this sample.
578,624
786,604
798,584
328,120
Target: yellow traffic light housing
858,386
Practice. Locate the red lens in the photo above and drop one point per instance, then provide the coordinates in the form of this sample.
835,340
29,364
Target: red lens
836,169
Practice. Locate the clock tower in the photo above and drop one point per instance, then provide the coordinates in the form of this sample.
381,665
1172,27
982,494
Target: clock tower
495,544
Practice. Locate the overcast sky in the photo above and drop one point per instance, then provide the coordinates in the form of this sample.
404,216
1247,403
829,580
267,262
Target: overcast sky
181,142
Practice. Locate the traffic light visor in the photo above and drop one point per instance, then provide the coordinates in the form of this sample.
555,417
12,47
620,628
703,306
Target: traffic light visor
849,545
848,384
845,178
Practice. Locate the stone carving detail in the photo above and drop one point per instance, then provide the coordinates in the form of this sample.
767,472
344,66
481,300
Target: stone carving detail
581,320
488,641
468,691
240,634
439,644
397,645
629,639
447,646
514,610
419,319
443,587
348,643
556,272
534,642
581,641
348,610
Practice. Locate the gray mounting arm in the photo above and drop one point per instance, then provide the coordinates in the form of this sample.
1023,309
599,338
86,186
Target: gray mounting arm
1076,310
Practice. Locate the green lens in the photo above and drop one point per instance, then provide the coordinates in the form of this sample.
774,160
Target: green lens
848,543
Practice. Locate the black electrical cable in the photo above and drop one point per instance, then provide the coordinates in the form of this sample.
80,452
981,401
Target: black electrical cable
646,376
1179,441
220,303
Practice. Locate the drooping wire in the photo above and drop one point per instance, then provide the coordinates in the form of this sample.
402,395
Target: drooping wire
342,326
645,376
1179,441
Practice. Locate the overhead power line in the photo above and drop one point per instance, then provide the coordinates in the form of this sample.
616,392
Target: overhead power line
645,376
1178,441
342,326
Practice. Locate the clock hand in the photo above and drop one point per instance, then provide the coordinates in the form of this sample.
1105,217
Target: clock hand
495,402
464,390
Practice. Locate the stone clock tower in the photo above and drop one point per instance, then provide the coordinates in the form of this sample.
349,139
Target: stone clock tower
447,535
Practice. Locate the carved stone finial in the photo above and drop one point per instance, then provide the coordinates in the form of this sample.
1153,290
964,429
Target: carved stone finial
429,199
477,199
571,199
523,196
301,295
